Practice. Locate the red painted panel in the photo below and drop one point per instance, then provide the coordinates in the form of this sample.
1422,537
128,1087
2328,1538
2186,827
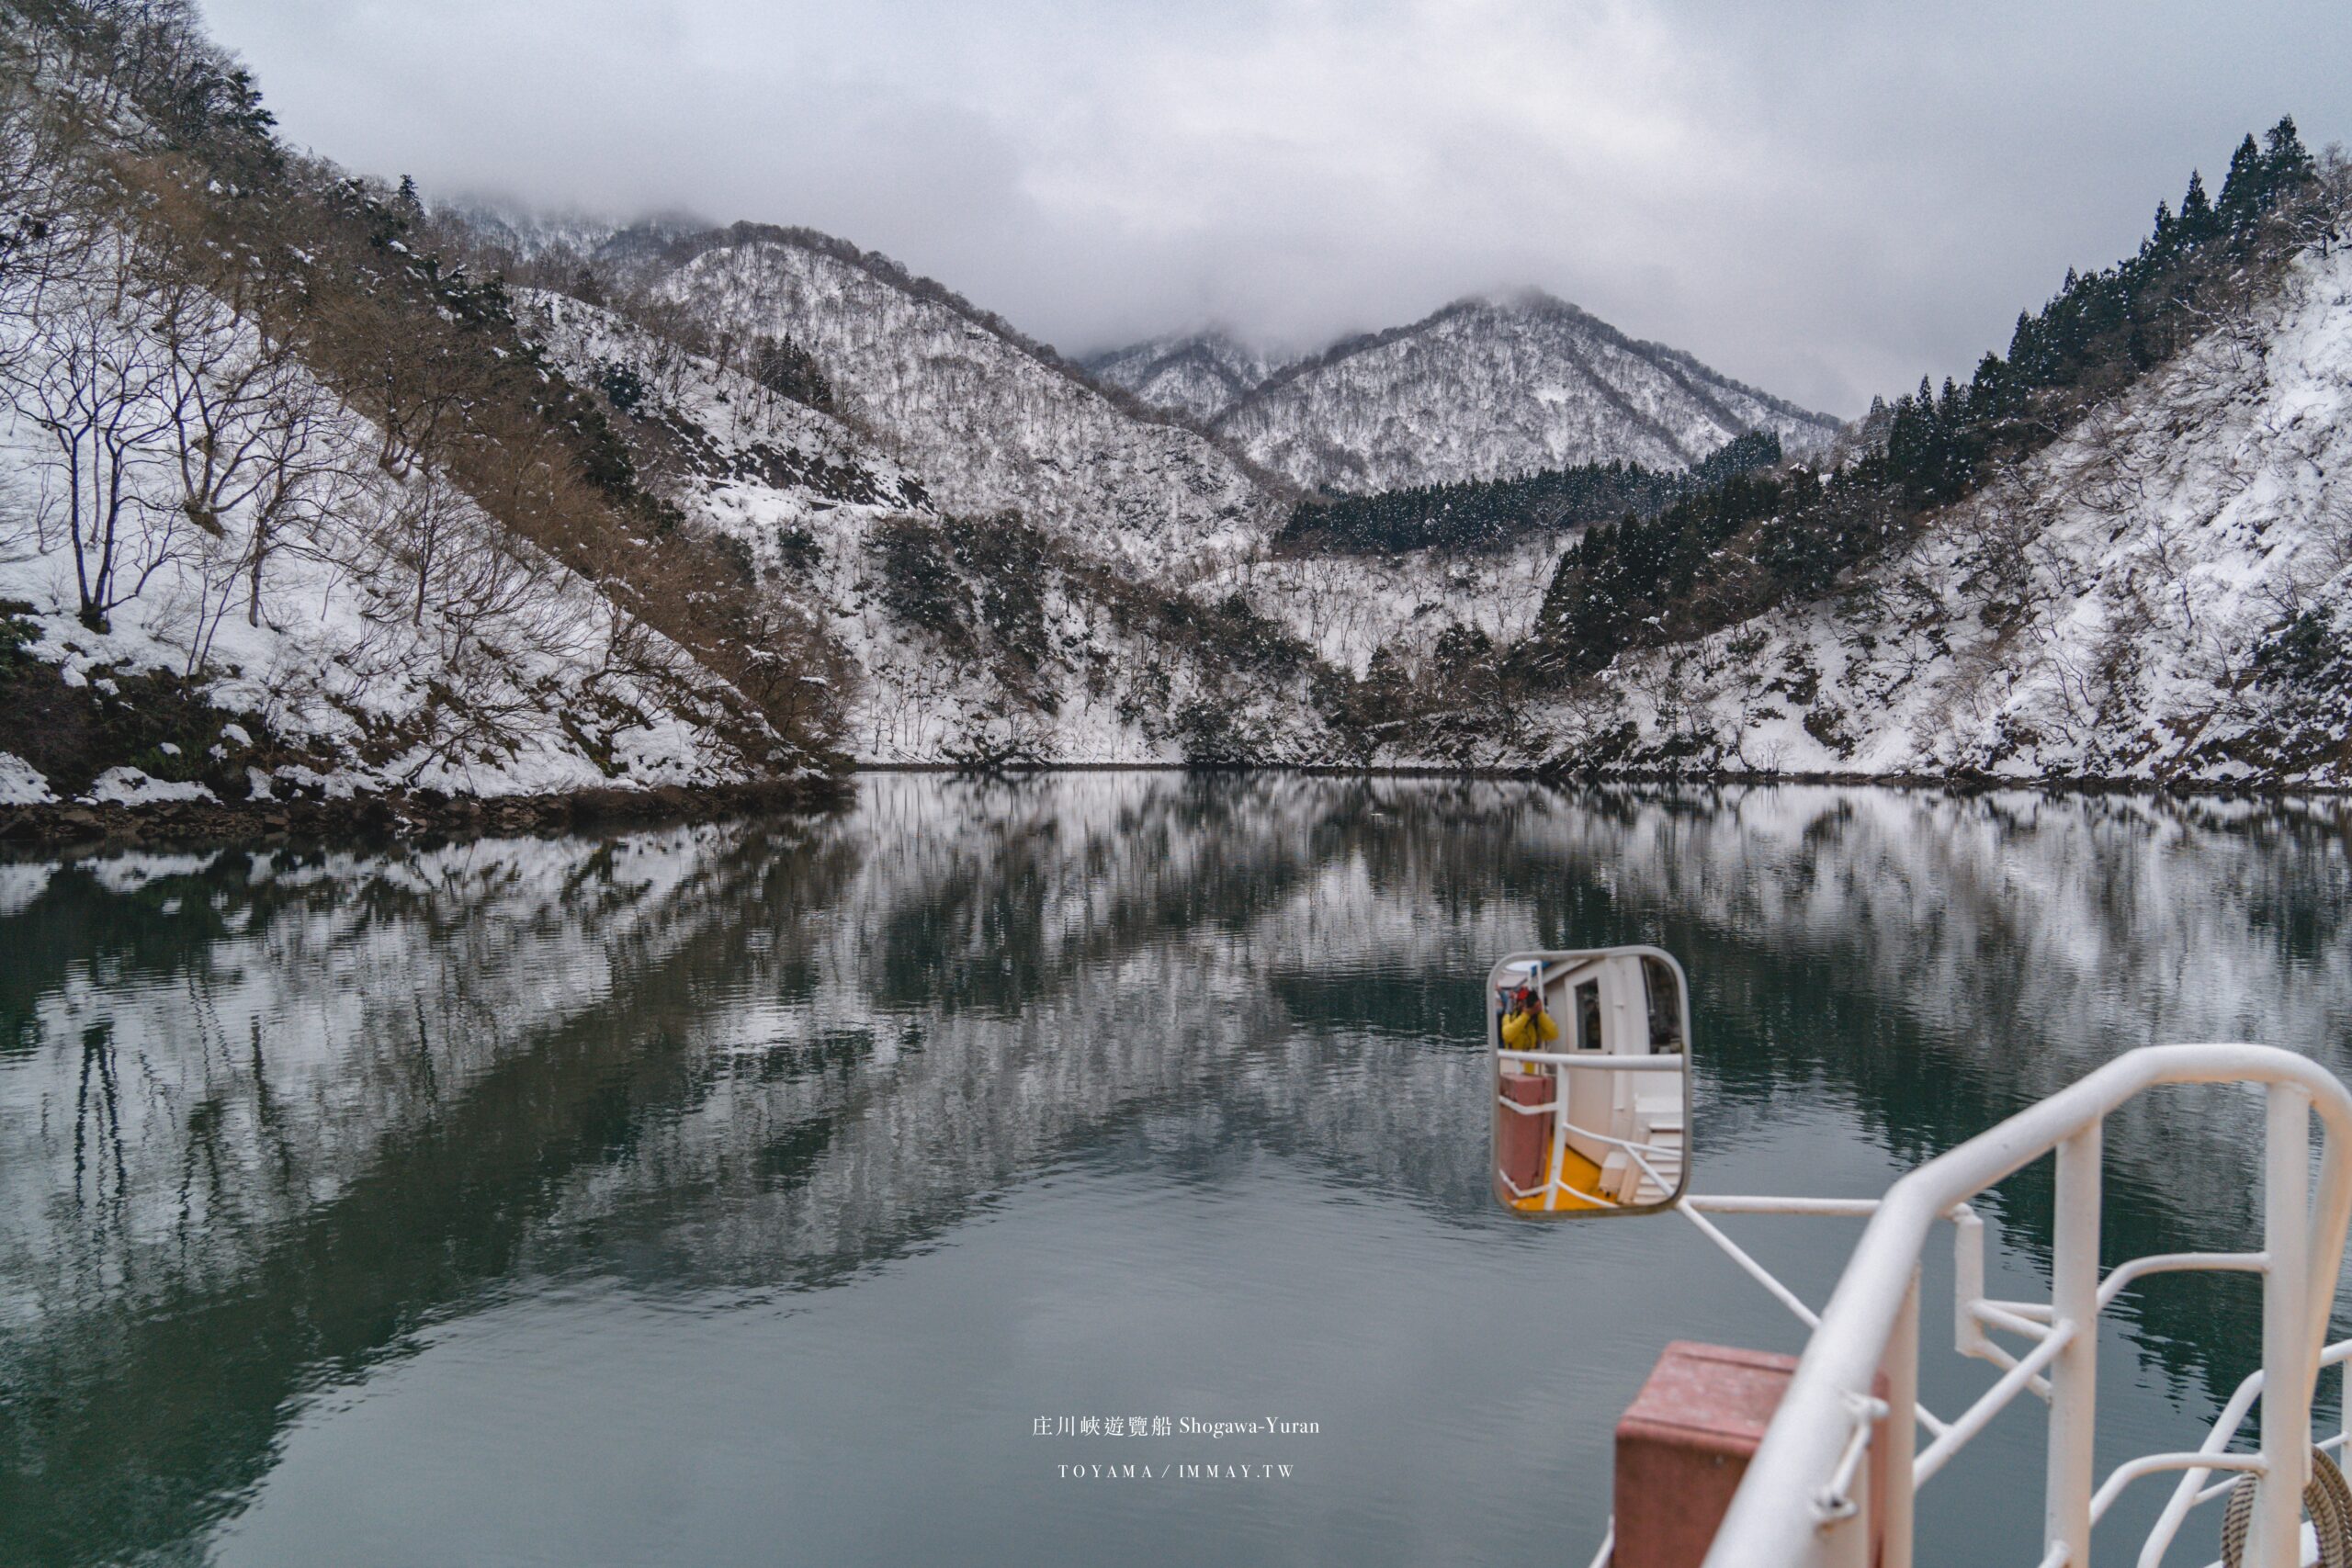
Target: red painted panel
1683,1446
1524,1149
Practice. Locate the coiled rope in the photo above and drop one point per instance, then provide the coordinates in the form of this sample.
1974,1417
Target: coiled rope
2328,1500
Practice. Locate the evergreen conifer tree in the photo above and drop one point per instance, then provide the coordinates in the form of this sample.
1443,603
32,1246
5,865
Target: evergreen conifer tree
2244,188
1988,391
2283,154
2196,209
1653,577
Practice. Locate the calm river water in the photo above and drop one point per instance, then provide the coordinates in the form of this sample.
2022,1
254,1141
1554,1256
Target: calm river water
750,1193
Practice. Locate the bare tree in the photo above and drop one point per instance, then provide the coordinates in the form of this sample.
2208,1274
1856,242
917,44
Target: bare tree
51,190
94,376
249,434
408,370
425,530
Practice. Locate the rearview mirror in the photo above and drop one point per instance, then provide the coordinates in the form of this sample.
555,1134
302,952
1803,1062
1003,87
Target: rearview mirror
1591,1081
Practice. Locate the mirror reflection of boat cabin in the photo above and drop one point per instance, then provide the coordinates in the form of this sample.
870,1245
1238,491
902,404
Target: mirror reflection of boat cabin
1592,1055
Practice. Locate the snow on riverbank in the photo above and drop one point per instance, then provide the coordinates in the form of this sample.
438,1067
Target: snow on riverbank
21,783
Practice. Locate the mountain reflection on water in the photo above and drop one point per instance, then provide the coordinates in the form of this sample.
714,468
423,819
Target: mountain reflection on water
272,1121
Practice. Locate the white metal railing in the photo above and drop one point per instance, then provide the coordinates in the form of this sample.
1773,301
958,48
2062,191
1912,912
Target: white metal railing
1799,1503
2191,1489
1554,1176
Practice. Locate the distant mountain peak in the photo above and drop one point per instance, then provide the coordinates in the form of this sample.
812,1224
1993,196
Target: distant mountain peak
1526,297
1496,384
1199,374
993,420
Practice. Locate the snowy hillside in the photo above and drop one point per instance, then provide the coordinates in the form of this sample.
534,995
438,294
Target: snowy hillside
528,235
696,426
990,422
992,599
345,625
2163,594
975,640
2160,595
1486,389
290,513
1198,374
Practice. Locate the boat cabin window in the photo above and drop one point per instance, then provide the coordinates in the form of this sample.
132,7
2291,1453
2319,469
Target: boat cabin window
1588,1016
1666,1006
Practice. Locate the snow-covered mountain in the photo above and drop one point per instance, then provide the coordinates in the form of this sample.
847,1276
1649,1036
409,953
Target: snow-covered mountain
992,420
2164,594
988,639
1201,374
289,523
2114,609
1490,387
668,505
529,233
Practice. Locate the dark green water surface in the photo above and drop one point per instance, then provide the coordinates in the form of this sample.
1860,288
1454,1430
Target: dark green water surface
749,1193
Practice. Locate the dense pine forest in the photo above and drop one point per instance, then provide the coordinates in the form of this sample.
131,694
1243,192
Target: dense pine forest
1483,514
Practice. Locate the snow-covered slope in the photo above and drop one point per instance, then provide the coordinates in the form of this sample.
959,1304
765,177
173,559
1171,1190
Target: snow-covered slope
1120,617
991,421
529,233
1490,387
2163,594
976,639
1198,374
358,627
702,429
526,233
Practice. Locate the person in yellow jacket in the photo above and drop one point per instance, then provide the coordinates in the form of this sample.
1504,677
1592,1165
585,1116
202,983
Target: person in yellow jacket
1528,1026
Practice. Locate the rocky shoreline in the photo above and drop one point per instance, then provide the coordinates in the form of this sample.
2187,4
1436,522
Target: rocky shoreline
428,814
413,814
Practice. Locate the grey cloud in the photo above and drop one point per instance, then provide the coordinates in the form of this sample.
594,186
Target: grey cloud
1827,199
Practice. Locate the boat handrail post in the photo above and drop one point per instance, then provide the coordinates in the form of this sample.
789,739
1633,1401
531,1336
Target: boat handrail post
1968,1336
1902,1429
2074,1372
2288,1347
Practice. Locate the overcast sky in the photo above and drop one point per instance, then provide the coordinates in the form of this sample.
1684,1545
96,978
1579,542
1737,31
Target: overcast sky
1826,199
